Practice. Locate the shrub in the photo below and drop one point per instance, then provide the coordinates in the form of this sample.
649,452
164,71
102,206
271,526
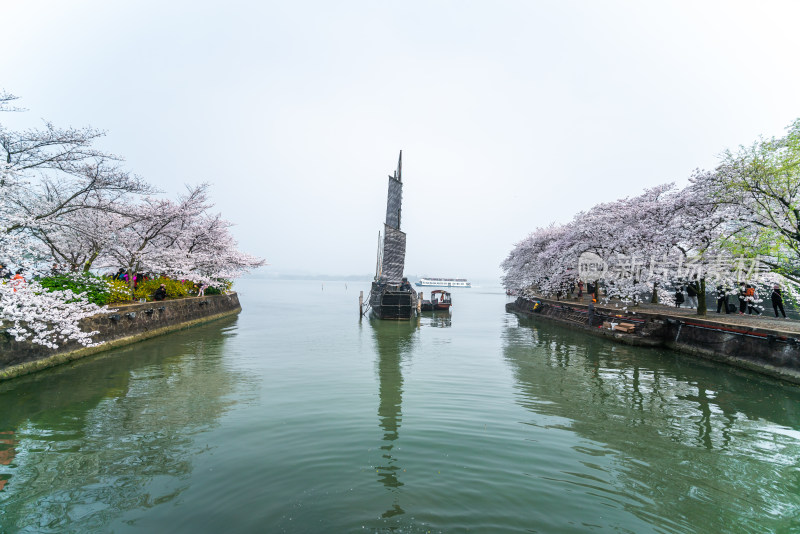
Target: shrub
175,288
120,292
222,287
97,290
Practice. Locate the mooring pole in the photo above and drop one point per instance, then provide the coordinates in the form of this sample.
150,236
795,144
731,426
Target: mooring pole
360,303
419,302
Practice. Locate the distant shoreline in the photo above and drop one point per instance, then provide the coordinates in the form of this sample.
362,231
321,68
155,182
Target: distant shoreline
367,278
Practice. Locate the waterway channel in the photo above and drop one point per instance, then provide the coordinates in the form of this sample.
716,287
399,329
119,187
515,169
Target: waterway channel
297,417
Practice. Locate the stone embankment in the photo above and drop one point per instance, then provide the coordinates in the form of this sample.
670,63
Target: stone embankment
766,347
124,325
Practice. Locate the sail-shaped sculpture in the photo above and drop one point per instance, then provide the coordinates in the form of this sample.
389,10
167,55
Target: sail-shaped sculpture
391,296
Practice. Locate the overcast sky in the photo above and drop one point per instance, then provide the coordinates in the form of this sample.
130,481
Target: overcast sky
510,114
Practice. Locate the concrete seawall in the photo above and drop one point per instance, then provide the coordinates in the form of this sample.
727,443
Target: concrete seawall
128,324
767,351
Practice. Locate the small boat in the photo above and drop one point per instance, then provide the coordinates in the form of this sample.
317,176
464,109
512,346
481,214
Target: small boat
443,282
440,301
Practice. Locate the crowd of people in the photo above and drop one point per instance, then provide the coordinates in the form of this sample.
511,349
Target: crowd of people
686,295
748,300
122,275
161,292
576,289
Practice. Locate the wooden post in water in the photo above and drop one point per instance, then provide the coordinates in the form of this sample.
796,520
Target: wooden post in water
360,303
419,302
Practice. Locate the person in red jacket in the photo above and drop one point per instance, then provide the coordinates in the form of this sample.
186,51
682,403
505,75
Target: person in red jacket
17,280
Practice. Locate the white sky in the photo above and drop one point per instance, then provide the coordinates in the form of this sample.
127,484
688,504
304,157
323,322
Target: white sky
510,114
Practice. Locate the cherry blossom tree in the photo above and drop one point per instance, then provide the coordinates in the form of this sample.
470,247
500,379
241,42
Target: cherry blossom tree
180,239
646,236
153,227
48,174
78,239
50,147
661,238
29,313
5,101
206,252
762,183
92,185
541,260
64,201
621,236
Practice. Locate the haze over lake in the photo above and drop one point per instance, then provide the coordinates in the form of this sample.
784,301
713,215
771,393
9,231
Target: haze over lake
510,115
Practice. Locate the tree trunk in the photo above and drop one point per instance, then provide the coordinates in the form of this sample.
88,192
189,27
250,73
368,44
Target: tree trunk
654,298
701,297
88,265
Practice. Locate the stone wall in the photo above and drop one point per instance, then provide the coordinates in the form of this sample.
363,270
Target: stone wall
762,350
126,324
766,351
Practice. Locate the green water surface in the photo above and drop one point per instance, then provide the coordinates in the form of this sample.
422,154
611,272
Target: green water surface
296,417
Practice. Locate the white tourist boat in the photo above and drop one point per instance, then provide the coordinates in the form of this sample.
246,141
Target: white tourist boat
444,282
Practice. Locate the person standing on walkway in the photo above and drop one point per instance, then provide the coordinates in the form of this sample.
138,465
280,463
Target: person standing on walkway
722,299
777,300
742,298
678,297
691,294
580,289
750,298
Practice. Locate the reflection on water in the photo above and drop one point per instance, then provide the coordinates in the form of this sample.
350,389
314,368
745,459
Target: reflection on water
394,341
7,453
486,423
83,443
441,319
682,444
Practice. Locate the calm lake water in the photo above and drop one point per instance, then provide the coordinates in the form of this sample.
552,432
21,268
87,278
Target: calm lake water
296,417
